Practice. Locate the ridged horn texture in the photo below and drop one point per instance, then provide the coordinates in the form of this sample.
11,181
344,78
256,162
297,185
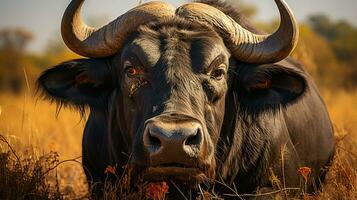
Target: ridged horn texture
93,42
243,44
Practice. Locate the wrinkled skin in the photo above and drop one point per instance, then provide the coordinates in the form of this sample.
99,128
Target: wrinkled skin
183,91
173,76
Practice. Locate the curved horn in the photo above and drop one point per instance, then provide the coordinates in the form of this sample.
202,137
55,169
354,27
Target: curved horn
245,45
106,41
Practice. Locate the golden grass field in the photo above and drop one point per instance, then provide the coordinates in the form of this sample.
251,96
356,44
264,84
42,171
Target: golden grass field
32,128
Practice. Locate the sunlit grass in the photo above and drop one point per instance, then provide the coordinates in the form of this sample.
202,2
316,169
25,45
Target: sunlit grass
33,129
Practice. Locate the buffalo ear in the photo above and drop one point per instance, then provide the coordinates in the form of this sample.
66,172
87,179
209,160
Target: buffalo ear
267,86
77,82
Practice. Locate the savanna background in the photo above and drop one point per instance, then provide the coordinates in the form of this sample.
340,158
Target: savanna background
40,144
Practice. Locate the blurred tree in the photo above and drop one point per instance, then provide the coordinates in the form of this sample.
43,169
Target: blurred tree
56,52
13,44
326,49
14,40
342,37
315,53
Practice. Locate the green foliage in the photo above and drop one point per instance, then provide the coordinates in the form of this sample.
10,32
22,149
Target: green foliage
327,50
341,35
315,53
342,38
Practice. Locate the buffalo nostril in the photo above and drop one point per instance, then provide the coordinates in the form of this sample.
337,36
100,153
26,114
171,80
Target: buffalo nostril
194,139
154,141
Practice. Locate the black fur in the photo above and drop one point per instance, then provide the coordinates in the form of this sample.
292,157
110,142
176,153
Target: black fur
246,129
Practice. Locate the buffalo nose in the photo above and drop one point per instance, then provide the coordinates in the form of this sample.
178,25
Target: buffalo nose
168,140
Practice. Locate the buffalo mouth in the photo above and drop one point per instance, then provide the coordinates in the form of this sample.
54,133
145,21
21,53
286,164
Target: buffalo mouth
178,173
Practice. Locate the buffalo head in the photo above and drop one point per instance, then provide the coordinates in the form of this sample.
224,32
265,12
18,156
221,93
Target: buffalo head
168,83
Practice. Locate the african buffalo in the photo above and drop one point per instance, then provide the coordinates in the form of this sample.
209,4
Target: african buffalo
192,95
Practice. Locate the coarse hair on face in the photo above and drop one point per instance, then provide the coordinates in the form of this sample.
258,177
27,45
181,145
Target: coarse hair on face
155,29
169,28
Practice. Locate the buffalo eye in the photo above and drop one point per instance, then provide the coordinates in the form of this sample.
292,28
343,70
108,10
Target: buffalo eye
131,71
218,74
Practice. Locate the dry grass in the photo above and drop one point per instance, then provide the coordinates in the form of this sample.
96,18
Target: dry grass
25,176
341,181
33,130
35,133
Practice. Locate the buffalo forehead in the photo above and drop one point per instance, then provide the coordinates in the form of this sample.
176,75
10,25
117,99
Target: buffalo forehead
146,50
200,46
